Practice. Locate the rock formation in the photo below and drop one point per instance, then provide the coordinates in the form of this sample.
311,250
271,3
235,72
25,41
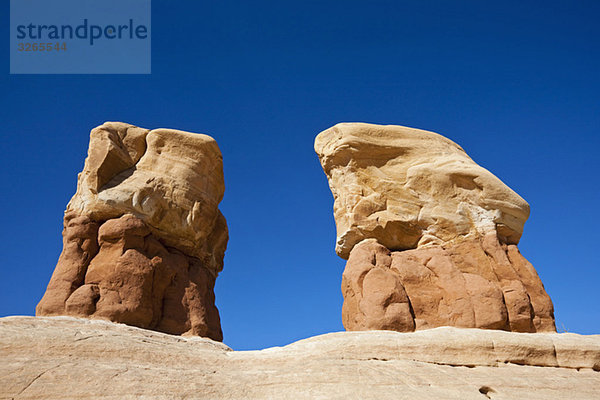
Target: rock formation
143,237
430,236
77,358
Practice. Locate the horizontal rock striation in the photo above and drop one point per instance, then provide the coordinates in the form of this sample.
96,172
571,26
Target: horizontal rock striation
143,238
78,358
430,236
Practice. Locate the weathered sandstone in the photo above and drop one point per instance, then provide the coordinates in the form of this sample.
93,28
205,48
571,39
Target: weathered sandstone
143,237
430,236
479,283
408,187
68,358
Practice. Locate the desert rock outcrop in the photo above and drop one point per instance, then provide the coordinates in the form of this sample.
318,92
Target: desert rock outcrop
143,237
78,358
430,236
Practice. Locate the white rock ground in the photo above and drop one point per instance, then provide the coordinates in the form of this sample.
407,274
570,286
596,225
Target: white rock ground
69,358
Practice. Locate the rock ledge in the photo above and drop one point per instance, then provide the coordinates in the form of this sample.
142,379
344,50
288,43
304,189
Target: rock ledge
65,357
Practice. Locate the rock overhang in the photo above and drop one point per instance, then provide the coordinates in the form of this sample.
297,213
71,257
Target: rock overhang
410,188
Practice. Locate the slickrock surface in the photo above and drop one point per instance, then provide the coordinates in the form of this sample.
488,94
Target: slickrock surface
69,358
143,237
430,236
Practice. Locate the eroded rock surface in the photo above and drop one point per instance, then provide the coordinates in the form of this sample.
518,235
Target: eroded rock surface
478,283
77,358
143,237
408,187
430,236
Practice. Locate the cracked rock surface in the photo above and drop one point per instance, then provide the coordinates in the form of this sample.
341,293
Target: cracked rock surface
429,235
67,358
143,238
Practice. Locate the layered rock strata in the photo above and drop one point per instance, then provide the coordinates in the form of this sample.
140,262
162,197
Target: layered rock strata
430,236
78,358
143,238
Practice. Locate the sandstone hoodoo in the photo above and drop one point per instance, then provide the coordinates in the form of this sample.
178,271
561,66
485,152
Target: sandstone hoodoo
430,236
143,238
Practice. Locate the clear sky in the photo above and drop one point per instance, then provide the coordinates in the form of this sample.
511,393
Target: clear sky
516,83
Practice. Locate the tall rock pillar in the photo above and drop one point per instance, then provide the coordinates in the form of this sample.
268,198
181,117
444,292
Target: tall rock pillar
430,236
143,238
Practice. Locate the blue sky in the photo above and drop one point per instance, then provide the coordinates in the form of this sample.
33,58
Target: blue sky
516,83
